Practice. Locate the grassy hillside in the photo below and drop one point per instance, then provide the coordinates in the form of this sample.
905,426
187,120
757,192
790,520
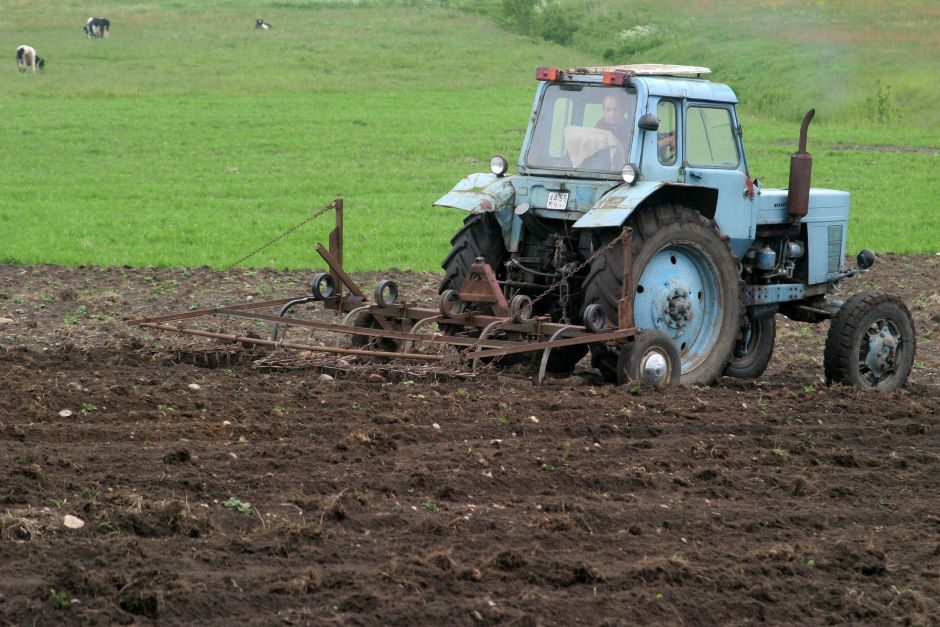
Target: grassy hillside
856,60
190,138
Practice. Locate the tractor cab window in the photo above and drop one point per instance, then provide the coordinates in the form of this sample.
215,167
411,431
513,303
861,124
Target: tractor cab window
583,127
666,135
709,139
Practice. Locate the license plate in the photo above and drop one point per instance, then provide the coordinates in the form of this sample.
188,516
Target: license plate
557,200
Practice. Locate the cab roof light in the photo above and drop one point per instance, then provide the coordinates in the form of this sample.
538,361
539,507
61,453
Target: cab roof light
546,73
615,77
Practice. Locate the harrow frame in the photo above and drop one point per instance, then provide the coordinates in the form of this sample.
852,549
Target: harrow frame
392,317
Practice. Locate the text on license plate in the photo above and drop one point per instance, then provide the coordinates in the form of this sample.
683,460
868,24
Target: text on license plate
557,200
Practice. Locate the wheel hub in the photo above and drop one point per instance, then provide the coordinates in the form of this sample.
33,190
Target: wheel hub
654,369
882,348
678,310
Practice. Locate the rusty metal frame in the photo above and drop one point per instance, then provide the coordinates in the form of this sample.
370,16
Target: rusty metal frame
483,287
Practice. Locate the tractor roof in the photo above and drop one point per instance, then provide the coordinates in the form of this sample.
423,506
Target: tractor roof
642,69
671,81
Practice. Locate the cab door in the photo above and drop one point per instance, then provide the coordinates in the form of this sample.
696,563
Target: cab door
713,157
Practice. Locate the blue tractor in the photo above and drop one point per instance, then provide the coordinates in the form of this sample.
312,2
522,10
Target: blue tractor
633,203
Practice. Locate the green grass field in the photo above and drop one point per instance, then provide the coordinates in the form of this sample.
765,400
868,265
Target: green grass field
194,141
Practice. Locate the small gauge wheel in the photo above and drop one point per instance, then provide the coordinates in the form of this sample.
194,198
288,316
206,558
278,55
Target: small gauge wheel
386,292
323,286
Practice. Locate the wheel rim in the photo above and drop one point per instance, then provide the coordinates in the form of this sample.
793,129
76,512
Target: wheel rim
878,351
678,293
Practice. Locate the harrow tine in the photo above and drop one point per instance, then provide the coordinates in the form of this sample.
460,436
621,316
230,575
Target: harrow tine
303,347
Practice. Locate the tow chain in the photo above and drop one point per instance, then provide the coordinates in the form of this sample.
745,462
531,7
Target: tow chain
554,285
316,215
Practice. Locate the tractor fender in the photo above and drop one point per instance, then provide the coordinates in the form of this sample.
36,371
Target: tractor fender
487,193
617,205
481,192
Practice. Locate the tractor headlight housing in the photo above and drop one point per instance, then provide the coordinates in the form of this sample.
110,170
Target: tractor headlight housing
498,165
630,174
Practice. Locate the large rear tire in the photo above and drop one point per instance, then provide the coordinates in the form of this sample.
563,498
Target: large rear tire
871,343
685,283
480,236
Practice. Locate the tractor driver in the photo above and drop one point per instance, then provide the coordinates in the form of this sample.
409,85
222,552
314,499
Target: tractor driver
613,119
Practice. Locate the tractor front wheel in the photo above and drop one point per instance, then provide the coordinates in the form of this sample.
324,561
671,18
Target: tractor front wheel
871,343
753,351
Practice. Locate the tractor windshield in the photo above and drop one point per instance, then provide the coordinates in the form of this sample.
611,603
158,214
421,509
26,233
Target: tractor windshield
583,127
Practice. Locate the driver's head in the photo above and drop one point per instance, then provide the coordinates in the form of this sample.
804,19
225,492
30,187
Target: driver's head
613,108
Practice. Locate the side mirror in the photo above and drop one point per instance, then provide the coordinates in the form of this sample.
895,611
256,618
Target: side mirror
648,122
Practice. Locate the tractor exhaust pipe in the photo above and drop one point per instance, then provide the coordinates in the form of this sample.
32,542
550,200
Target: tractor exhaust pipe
801,173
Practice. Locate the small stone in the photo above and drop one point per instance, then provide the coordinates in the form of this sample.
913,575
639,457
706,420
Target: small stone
65,413
226,423
324,378
194,387
242,439
534,419
73,522
4,321
476,616
436,426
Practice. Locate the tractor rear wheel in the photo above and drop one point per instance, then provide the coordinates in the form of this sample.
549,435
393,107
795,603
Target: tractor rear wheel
685,283
871,343
753,352
480,236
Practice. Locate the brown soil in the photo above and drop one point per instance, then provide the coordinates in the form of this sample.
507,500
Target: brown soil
254,492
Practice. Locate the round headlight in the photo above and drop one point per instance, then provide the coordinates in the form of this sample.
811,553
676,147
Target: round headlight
630,174
498,165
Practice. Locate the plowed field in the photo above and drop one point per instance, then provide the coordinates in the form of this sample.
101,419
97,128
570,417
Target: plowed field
216,484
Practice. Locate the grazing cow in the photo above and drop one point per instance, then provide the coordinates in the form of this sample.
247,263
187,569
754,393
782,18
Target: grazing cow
26,58
97,27
259,23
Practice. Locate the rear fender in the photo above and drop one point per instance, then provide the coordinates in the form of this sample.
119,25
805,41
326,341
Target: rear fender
617,205
486,193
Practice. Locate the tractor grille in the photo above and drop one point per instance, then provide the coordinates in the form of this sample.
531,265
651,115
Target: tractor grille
835,247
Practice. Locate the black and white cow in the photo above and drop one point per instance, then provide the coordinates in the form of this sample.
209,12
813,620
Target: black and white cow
97,27
26,58
259,23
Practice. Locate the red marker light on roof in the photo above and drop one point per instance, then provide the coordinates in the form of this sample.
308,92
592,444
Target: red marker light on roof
615,77
546,73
